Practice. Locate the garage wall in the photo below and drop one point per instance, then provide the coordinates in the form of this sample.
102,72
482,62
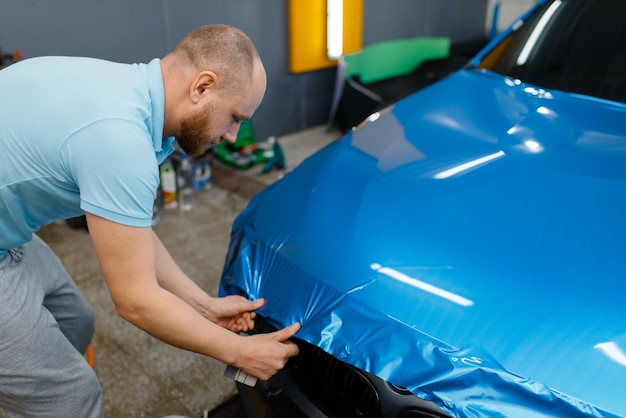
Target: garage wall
138,30
509,11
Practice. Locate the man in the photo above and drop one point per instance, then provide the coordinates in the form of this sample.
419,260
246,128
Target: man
81,135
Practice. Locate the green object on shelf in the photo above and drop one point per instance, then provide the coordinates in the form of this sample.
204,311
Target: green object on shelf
393,58
245,152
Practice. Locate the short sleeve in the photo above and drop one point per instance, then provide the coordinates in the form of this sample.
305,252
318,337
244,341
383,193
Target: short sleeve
115,168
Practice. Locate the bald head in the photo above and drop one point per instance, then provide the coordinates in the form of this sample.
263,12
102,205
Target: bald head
223,49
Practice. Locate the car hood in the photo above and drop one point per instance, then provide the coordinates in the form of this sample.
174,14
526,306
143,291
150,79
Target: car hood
466,243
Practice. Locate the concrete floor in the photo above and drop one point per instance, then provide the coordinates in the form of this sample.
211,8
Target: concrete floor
141,376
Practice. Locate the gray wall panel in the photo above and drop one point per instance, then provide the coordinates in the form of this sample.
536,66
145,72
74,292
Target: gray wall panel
138,30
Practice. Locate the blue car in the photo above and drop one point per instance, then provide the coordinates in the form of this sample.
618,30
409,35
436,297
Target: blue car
462,252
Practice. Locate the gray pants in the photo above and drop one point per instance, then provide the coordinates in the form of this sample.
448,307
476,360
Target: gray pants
45,327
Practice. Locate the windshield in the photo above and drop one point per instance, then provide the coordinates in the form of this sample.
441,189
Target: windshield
578,46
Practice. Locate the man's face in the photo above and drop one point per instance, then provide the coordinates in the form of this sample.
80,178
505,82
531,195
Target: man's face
219,117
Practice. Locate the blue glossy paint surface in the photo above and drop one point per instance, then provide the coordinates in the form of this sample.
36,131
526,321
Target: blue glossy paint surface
470,249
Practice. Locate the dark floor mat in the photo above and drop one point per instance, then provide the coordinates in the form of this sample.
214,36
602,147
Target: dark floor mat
232,408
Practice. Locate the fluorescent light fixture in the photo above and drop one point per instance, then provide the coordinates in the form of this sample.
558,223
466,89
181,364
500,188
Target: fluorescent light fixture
334,29
411,281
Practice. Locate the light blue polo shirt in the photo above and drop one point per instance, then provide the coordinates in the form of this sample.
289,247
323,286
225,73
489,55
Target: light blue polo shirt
78,135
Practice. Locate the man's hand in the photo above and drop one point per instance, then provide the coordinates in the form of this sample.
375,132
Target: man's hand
263,355
234,313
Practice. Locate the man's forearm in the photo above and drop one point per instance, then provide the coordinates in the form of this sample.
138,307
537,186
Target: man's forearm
174,280
171,320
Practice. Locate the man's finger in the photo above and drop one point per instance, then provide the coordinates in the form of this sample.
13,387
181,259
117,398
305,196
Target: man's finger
287,332
256,304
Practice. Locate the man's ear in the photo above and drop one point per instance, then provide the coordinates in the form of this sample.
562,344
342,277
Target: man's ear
202,84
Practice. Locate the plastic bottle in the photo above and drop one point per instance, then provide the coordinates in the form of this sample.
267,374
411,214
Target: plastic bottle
168,185
184,178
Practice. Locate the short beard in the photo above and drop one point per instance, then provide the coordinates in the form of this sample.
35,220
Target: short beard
193,131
